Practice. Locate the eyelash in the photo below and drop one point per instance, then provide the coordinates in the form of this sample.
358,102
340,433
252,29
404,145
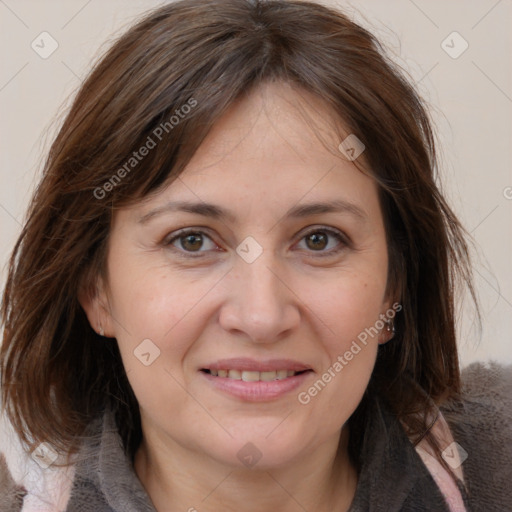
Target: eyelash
339,236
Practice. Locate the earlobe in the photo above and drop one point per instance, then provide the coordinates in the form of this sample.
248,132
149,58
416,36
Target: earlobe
388,331
94,302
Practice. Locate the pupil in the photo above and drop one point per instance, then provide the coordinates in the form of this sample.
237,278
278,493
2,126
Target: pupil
191,242
318,240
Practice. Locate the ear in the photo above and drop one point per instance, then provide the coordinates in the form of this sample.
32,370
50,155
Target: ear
94,301
387,316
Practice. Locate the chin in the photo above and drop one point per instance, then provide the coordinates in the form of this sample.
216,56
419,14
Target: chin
261,451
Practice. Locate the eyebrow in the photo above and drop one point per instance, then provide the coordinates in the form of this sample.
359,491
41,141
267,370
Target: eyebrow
219,213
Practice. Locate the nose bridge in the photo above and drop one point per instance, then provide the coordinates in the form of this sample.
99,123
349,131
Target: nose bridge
262,284
261,305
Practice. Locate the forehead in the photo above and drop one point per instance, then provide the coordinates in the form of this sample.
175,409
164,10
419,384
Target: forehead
275,121
275,147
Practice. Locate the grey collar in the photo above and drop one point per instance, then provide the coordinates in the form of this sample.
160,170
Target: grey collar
392,478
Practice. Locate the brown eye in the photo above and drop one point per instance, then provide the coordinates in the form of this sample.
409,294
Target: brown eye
325,242
317,240
191,242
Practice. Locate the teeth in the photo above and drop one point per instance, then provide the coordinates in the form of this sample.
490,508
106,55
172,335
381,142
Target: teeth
249,376
268,376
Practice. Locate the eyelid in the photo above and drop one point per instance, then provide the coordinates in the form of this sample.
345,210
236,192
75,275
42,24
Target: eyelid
318,227
342,238
175,235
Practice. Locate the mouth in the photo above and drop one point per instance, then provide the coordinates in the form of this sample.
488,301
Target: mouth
254,376
249,380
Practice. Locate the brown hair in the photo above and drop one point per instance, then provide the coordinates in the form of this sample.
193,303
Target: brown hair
57,374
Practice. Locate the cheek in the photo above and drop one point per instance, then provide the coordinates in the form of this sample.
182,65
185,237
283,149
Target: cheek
150,301
165,326
349,358
157,317
347,312
348,305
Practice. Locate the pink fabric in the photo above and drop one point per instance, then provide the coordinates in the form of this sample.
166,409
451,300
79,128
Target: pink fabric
443,480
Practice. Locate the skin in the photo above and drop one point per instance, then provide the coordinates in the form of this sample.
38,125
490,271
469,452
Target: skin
261,159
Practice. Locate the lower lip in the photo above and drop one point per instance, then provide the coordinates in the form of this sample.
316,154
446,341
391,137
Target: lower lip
260,391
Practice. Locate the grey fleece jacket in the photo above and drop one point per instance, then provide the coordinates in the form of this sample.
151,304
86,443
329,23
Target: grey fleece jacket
393,477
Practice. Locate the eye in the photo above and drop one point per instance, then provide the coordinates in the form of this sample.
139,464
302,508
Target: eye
191,241
324,241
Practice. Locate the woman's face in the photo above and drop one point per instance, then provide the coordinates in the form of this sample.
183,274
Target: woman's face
232,261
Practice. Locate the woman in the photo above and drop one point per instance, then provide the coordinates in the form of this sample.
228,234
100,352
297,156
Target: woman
235,286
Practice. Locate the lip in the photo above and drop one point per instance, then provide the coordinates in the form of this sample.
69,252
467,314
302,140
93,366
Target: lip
260,391
252,365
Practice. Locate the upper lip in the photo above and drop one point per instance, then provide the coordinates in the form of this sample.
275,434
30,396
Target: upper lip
252,365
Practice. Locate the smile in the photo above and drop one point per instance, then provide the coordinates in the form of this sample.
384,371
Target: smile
252,376
253,386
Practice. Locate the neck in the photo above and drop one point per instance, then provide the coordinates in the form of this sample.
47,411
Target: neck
176,478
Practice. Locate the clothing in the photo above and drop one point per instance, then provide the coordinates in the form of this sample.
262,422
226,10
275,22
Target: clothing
393,477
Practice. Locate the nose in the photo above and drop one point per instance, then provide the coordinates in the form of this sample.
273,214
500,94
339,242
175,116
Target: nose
260,305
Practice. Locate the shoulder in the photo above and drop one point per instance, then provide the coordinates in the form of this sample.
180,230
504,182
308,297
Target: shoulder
481,422
486,401
11,492
26,484
490,381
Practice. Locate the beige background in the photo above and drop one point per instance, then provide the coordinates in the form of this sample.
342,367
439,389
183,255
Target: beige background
470,97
